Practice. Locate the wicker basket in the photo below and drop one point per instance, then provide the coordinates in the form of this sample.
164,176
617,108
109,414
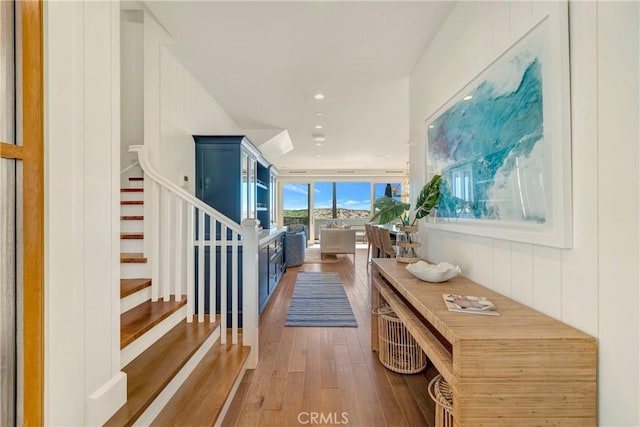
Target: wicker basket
442,395
398,350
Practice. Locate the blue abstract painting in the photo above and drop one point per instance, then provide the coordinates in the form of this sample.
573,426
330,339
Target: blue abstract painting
489,144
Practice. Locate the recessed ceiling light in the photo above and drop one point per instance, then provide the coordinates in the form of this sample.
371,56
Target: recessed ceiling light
318,113
431,126
319,126
318,96
468,97
318,156
319,137
318,144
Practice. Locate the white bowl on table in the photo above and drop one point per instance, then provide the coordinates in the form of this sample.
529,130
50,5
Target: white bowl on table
434,273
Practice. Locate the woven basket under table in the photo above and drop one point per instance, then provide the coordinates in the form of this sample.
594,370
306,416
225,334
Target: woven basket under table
398,350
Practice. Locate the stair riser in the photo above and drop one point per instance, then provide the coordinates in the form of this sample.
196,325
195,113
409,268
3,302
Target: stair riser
134,271
134,349
131,196
135,299
135,184
131,246
131,209
167,393
129,226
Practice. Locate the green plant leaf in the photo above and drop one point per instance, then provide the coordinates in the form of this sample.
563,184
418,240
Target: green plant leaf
428,198
387,209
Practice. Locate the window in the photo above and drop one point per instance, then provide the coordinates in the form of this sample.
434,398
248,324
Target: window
295,204
396,189
353,200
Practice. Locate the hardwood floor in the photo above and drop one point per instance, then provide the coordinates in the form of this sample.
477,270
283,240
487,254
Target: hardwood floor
327,376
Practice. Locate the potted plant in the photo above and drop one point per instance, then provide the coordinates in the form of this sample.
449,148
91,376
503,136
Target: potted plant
388,210
428,198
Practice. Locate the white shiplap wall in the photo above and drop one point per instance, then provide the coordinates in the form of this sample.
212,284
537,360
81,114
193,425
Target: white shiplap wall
186,109
595,285
131,84
83,382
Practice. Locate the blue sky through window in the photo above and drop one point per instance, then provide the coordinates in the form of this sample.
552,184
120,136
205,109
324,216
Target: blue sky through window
350,195
296,196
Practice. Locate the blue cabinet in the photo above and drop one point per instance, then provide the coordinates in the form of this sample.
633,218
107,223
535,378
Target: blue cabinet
234,178
270,269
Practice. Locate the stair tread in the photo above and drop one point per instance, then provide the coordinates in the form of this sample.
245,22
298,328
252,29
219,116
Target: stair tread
136,178
131,286
152,370
131,190
200,399
132,202
135,235
140,319
132,258
132,217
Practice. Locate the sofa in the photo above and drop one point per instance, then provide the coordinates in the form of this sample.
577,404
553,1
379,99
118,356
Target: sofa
338,241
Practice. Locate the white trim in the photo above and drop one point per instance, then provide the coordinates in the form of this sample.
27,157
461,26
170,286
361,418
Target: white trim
128,168
135,299
134,349
170,390
232,393
145,163
105,401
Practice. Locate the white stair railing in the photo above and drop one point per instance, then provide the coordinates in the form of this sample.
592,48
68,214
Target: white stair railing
193,244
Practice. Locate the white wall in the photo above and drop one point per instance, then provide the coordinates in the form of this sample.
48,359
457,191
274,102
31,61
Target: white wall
131,84
595,285
176,106
83,383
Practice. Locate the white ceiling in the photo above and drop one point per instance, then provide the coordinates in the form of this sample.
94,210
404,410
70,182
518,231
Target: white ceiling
264,61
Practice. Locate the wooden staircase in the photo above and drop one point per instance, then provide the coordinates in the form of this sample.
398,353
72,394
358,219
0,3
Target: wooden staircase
178,373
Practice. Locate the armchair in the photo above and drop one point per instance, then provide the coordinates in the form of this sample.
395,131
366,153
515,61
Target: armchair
295,242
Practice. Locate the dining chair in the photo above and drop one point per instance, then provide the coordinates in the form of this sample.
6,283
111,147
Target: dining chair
371,241
384,236
376,248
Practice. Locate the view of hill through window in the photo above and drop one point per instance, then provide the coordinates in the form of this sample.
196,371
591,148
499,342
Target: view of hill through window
333,200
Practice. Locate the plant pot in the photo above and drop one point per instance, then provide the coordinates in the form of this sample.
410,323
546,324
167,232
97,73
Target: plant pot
408,244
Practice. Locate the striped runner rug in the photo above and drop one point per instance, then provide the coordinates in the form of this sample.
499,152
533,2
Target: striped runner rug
319,299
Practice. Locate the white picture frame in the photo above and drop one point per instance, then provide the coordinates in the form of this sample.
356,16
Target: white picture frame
519,107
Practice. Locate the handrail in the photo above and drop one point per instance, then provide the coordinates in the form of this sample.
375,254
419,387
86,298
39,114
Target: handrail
128,168
143,158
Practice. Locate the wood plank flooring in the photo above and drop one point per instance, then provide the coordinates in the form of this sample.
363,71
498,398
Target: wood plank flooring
308,372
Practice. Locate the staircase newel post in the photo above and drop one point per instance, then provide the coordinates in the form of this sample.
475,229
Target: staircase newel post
250,317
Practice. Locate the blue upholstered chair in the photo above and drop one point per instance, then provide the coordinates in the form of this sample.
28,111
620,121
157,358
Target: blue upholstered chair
295,243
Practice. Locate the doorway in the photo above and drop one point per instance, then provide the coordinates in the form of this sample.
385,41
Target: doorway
21,214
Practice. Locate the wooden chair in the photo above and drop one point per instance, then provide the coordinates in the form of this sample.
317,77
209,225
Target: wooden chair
372,247
387,249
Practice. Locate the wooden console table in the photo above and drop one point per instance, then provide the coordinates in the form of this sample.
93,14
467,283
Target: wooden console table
521,368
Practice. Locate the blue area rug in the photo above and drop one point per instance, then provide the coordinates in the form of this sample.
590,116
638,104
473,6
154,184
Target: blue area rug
319,299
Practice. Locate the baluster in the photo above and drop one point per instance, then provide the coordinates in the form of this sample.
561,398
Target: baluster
155,242
166,244
223,284
178,275
213,244
250,316
234,288
200,265
190,261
